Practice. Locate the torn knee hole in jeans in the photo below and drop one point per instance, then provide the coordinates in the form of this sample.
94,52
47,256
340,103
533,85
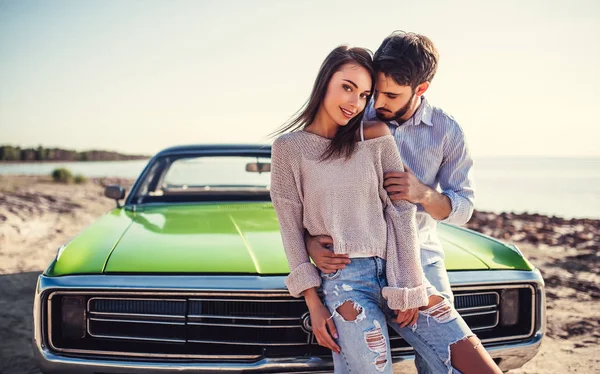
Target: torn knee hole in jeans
461,341
378,344
442,312
349,311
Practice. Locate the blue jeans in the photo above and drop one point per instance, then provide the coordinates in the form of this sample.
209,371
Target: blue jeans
364,341
437,275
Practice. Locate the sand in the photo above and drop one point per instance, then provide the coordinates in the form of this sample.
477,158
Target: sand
37,216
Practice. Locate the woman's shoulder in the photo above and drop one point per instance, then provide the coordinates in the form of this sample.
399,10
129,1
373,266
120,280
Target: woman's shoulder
286,140
288,145
375,129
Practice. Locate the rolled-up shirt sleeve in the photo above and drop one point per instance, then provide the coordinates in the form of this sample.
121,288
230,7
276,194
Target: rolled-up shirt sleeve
287,203
455,178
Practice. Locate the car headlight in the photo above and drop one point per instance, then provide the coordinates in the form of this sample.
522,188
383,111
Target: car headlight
509,307
73,317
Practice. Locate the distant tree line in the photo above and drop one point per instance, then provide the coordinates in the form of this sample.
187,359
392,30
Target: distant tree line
11,153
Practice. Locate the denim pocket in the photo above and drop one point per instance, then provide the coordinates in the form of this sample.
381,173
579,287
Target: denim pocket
331,276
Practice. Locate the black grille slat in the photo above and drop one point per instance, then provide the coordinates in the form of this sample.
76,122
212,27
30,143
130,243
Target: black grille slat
247,335
263,309
138,306
476,300
125,329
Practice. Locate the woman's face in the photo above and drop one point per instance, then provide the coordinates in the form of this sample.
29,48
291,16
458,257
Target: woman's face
347,93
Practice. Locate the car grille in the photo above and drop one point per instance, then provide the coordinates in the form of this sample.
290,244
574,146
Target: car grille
259,325
250,321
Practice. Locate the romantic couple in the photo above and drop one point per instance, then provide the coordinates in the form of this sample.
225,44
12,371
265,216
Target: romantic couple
353,182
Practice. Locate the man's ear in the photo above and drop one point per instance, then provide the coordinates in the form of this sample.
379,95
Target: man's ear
421,88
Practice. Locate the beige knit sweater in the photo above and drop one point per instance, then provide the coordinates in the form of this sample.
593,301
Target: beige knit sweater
345,199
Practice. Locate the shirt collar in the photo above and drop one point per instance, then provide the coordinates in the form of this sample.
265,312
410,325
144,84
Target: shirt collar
424,114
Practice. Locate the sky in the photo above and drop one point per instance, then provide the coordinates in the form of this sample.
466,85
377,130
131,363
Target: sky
521,77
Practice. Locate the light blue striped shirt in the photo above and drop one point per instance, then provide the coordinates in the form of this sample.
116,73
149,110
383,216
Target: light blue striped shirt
433,145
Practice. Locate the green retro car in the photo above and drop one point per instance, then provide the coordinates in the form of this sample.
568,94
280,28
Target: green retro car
188,276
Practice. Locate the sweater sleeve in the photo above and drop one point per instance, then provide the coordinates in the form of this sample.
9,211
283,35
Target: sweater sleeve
406,283
287,202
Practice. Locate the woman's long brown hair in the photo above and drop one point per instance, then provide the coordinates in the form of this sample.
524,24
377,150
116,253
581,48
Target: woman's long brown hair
344,141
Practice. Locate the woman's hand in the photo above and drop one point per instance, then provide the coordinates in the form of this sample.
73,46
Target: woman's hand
323,327
407,317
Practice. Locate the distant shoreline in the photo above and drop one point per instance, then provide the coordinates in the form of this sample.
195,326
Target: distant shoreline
135,158
10,153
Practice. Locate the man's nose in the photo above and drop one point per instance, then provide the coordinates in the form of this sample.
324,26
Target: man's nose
379,102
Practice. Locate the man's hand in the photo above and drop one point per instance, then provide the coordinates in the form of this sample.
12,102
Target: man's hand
405,186
407,317
324,258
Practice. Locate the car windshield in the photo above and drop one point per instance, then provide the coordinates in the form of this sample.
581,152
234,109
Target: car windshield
204,178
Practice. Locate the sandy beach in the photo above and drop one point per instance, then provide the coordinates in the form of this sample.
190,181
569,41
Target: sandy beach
37,216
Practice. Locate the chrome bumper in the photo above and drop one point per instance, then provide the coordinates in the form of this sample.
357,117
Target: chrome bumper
510,355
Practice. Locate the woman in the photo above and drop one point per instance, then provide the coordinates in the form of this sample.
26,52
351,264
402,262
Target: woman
327,177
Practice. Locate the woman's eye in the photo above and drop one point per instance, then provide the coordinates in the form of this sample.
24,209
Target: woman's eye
347,88
364,96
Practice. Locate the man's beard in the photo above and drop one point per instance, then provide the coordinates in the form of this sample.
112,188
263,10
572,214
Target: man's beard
397,116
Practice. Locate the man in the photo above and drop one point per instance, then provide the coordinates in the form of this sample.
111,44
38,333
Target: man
432,147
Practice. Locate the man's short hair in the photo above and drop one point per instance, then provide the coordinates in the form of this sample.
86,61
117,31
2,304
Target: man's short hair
409,58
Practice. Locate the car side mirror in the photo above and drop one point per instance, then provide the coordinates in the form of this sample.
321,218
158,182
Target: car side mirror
116,192
258,167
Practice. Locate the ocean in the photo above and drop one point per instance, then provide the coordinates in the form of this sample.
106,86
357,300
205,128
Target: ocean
564,187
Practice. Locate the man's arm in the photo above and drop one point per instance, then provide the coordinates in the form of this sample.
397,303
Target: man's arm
455,203
406,186
455,179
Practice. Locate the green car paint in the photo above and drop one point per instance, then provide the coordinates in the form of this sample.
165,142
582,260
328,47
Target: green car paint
494,253
240,238
205,238
87,252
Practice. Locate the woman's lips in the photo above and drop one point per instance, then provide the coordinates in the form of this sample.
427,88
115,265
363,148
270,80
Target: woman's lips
348,114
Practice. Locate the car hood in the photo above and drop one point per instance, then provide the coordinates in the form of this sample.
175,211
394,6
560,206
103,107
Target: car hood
240,238
202,238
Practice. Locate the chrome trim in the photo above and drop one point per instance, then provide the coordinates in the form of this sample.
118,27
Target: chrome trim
476,308
485,327
121,337
247,326
157,316
513,355
479,313
245,343
246,285
137,321
196,316
253,300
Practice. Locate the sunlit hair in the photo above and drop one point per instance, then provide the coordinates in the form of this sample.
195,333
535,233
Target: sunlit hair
344,141
408,58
